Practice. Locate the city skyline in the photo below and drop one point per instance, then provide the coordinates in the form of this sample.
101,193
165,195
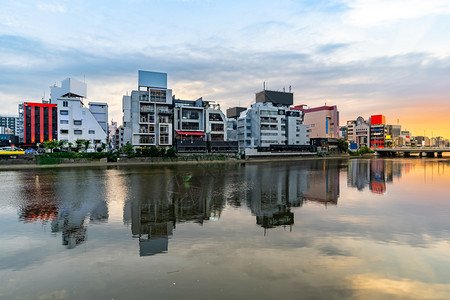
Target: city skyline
366,57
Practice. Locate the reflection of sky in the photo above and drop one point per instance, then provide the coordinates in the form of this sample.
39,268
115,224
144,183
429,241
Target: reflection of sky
393,245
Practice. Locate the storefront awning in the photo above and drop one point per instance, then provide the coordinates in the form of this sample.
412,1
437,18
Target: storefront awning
190,133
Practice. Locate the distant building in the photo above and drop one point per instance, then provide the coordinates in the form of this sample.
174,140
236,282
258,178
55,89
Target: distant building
10,122
112,131
323,121
235,112
378,131
422,141
275,97
362,133
75,120
350,132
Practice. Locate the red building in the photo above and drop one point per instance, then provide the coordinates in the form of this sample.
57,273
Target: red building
40,123
378,131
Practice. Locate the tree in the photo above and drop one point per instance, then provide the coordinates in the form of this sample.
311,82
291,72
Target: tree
50,145
61,144
101,147
342,145
127,148
79,144
86,144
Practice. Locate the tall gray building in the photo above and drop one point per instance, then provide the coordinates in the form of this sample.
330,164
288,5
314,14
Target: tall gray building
148,113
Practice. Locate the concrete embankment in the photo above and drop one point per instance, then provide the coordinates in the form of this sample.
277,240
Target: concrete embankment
22,163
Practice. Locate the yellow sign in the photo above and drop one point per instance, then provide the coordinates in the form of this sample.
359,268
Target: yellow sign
388,137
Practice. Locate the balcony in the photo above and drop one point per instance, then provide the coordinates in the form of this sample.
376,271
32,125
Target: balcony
147,109
164,111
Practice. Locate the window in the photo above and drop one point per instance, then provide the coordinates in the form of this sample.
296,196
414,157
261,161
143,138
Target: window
78,131
215,117
64,121
91,131
64,131
65,103
64,112
216,127
76,122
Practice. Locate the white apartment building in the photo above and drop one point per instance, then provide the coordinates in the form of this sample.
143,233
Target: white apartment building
264,124
75,120
147,113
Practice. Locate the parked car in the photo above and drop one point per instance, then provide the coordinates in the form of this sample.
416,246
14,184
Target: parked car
30,151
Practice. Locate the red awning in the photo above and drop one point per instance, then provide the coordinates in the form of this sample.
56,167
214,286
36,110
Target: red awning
190,133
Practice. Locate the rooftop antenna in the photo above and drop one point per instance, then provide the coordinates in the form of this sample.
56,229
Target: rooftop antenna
84,78
284,89
289,88
264,85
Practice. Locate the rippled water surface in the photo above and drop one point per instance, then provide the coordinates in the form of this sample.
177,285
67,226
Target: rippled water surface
316,229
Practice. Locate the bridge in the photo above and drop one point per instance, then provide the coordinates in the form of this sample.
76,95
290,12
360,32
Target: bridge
407,151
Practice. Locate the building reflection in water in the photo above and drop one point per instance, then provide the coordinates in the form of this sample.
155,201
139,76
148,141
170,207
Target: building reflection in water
161,200
66,204
374,173
275,190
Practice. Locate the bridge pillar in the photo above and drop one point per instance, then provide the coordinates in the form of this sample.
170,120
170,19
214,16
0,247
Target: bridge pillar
439,154
406,154
430,154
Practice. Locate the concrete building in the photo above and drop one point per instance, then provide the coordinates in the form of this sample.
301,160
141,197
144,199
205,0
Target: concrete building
350,132
422,141
233,114
378,131
75,120
323,121
362,133
112,132
265,124
10,122
199,124
148,113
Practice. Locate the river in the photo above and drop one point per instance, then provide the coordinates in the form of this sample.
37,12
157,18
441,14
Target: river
313,229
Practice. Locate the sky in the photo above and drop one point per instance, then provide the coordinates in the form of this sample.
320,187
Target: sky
388,57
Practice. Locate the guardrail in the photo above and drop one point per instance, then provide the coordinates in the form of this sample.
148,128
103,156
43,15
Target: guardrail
12,152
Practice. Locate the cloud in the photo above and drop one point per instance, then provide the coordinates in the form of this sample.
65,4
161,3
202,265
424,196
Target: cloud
331,48
54,8
384,12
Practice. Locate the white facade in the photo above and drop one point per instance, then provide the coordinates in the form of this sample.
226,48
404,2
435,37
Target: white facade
216,122
264,124
75,121
147,113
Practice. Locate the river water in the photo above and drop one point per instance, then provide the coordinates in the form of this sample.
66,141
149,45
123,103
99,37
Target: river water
315,229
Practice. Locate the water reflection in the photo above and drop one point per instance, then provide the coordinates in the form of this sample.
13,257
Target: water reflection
374,173
68,205
162,200
325,240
